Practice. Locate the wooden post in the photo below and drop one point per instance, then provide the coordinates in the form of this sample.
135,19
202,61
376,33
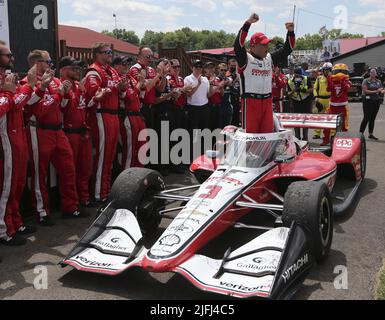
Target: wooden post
63,48
160,49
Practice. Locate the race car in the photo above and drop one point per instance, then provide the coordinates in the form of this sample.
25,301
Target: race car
271,176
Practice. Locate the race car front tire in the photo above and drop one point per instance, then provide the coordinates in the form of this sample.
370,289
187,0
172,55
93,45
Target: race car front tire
309,204
134,190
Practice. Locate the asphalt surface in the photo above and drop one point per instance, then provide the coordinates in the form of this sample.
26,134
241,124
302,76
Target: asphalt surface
358,246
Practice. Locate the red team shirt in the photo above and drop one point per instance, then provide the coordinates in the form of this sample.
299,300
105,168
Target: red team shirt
177,83
146,97
74,108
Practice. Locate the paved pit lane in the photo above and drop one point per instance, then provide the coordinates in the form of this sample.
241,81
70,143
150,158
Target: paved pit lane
350,272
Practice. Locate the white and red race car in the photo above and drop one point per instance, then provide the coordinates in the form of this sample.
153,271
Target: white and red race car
294,187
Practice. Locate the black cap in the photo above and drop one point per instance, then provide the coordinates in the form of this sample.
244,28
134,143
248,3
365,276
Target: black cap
298,71
121,60
70,62
198,63
209,64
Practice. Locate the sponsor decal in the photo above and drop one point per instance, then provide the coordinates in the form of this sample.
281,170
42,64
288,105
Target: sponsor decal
295,267
189,219
193,213
170,240
20,98
201,203
344,143
299,117
112,245
3,101
93,263
183,228
236,182
288,175
48,100
241,287
260,73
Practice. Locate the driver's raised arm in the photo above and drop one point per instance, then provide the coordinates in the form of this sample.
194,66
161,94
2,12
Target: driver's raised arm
281,55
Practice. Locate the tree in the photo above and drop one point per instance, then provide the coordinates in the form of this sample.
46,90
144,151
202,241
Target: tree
336,34
151,39
276,42
124,35
309,42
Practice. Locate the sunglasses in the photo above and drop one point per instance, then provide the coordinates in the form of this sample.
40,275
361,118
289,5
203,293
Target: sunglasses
49,62
176,67
9,55
148,56
106,52
223,70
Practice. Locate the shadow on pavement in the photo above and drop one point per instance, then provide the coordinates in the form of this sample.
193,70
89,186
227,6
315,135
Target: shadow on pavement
368,186
323,273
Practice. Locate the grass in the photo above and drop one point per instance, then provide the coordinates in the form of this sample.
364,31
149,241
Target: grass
380,291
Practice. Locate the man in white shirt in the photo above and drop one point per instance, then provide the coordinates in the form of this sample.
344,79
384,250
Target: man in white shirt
198,96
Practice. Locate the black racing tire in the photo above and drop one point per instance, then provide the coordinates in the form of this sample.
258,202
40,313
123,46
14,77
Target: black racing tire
134,190
347,170
309,204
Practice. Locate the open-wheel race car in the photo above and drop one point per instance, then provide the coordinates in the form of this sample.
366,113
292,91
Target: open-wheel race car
275,177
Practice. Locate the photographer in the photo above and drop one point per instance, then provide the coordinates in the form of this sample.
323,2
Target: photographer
373,91
300,89
226,109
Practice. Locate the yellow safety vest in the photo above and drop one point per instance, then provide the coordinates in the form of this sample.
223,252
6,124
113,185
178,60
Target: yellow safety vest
321,88
299,96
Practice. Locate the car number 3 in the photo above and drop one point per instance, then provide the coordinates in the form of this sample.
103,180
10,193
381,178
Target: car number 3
214,190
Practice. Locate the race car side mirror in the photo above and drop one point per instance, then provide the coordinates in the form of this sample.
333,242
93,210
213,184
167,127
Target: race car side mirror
284,158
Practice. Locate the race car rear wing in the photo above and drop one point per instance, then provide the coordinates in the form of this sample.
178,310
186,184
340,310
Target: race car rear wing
311,121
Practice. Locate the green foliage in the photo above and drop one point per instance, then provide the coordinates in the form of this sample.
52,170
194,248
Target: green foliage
189,39
309,42
124,35
335,34
206,39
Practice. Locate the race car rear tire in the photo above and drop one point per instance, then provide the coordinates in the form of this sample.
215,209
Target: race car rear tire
134,190
347,170
309,204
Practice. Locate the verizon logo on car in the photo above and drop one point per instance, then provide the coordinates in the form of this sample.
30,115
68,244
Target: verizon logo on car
93,263
344,143
244,288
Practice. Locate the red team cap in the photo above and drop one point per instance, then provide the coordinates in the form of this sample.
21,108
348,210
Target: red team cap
259,38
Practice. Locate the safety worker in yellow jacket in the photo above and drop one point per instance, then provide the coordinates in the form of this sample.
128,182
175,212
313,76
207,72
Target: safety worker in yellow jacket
322,94
300,90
